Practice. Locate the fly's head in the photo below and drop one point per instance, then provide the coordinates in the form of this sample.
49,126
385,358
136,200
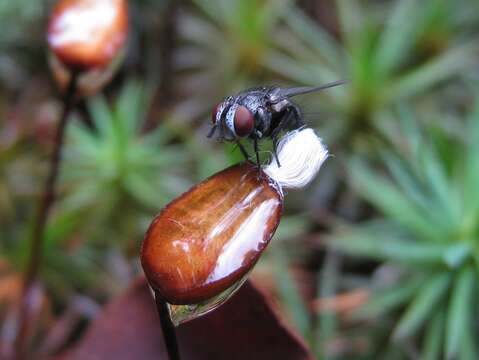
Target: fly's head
247,113
232,119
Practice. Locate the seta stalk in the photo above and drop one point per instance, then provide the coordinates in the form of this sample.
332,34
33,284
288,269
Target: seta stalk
167,327
47,200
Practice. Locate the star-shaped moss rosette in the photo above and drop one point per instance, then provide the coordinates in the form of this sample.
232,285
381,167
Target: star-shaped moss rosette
424,237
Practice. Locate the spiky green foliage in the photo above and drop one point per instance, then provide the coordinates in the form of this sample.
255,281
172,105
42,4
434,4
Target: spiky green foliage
224,45
114,178
428,233
388,56
121,165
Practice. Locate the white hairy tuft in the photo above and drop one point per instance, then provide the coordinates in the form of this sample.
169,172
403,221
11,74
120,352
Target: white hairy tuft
301,153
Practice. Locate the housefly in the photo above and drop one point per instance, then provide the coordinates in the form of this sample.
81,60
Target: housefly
259,113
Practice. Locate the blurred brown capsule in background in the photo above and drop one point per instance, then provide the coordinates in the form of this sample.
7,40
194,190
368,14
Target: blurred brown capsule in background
209,238
89,82
86,34
89,37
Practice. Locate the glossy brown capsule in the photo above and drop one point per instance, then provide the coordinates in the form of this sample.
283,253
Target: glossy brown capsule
87,34
211,236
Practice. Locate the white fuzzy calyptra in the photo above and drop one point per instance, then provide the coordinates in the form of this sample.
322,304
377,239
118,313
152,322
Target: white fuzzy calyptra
301,153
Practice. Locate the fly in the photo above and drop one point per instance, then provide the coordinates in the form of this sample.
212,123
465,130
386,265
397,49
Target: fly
260,113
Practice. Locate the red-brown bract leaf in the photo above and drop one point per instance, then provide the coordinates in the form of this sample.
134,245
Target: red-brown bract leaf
246,327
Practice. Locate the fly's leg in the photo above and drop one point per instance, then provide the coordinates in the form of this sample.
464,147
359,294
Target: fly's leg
295,114
243,150
292,119
256,150
275,151
274,135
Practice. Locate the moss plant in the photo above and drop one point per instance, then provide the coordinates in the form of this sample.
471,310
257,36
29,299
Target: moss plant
381,50
426,236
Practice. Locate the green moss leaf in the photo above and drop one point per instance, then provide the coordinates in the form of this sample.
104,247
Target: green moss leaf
433,340
459,312
423,306
388,300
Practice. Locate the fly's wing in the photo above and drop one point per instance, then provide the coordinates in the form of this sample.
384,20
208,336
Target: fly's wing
290,92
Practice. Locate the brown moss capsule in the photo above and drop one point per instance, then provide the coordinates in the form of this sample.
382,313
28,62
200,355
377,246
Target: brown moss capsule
211,236
87,34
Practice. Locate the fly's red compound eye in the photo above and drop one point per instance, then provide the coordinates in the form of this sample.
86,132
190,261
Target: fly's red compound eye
243,121
215,112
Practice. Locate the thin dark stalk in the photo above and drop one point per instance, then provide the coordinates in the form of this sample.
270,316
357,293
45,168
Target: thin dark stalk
169,334
166,36
38,229
49,190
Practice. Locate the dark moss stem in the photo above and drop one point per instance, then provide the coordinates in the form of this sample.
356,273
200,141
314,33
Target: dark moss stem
48,197
167,327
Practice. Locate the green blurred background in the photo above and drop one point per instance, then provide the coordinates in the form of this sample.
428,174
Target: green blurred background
378,258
